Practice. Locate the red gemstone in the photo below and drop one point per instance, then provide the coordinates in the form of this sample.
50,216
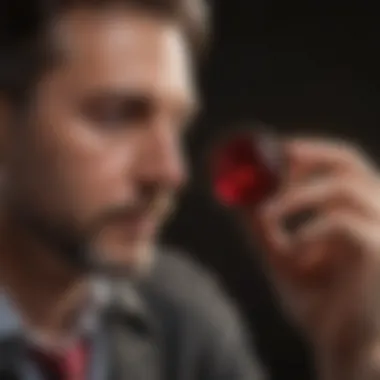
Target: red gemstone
246,169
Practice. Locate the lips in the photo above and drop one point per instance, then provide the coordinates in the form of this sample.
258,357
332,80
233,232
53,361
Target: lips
139,224
245,169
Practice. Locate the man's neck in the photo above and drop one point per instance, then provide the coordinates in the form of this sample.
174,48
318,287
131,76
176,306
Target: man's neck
45,291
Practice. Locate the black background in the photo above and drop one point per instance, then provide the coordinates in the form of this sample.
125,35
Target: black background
303,66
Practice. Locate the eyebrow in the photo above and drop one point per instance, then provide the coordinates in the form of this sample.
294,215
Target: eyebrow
193,105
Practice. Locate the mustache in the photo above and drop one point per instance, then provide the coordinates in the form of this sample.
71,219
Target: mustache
154,207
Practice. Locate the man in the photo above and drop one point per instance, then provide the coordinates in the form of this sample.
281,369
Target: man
95,99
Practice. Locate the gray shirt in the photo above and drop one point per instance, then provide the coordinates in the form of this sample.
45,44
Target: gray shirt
174,325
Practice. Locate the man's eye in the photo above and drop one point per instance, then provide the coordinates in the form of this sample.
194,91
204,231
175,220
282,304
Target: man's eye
108,115
118,114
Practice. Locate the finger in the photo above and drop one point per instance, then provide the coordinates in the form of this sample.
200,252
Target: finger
269,223
353,242
266,229
284,257
326,195
349,229
330,246
309,155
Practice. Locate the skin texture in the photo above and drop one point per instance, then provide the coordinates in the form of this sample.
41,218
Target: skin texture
96,158
100,153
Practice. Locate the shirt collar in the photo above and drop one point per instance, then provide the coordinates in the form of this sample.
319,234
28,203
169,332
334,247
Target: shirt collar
10,321
119,296
12,326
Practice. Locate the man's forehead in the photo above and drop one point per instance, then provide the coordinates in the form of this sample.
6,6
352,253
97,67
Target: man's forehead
127,50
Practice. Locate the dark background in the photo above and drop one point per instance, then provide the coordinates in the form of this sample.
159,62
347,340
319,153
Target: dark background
307,66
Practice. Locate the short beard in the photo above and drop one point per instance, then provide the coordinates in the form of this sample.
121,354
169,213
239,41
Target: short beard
73,249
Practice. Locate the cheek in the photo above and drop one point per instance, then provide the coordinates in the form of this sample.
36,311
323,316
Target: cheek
98,179
70,172
92,175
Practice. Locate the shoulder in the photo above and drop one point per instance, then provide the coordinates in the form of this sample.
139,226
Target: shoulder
186,287
195,311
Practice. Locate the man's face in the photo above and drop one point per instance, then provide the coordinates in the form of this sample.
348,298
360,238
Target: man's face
100,155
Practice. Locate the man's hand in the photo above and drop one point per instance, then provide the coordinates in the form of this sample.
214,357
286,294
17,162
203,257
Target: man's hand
327,271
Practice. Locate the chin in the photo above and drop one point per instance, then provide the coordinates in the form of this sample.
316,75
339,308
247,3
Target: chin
131,260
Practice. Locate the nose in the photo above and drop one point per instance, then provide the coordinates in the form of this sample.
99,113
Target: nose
163,160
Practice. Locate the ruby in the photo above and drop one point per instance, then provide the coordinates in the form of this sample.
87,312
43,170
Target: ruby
245,169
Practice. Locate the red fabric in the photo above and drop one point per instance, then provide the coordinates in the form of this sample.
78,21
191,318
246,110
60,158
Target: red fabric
243,173
67,365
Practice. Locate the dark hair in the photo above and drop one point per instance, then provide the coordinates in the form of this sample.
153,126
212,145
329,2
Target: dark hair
24,28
